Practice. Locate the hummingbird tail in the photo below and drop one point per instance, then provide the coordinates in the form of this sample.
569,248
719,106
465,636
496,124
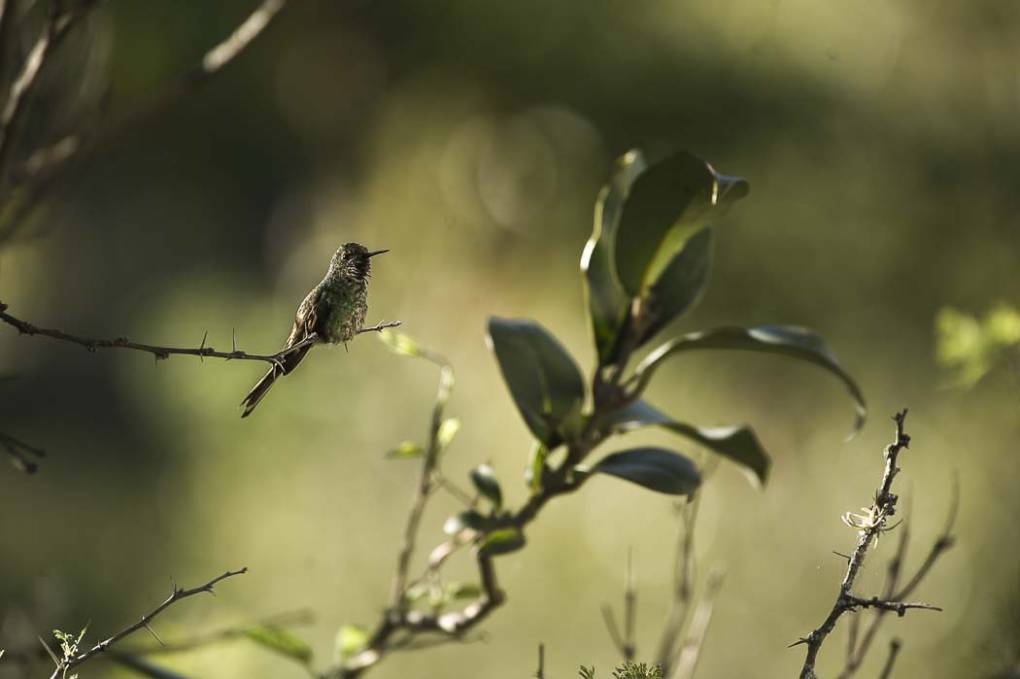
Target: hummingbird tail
258,391
290,362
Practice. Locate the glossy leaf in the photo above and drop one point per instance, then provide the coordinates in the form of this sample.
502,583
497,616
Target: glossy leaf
280,641
681,285
606,298
736,443
486,483
784,340
466,519
501,541
543,379
668,203
406,450
657,469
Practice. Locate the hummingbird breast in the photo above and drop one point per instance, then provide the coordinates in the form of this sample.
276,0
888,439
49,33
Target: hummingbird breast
342,310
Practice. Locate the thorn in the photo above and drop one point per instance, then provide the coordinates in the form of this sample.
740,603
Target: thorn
201,349
152,632
845,556
233,340
49,651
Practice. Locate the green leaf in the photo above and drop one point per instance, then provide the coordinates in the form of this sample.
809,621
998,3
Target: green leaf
736,443
606,298
535,473
400,343
501,541
466,519
280,641
657,469
485,481
447,430
543,379
350,640
462,590
681,285
785,340
406,450
668,203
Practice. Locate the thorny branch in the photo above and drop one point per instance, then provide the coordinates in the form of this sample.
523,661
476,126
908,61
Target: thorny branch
859,645
176,594
161,352
871,524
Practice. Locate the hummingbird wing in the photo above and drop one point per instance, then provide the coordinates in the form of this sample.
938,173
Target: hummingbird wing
305,322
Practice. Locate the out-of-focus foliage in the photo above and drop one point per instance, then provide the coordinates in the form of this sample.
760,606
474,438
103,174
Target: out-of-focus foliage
969,346
882,141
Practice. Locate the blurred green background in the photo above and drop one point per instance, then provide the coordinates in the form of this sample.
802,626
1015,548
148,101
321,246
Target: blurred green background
882,143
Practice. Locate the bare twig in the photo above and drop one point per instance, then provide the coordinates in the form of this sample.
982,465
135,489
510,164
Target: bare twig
686,661
858,647
177,593
894,650
281,620
683,577
19,452
870,525
379,327
624,641
161,352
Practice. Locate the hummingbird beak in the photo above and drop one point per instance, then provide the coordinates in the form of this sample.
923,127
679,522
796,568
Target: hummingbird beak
377,252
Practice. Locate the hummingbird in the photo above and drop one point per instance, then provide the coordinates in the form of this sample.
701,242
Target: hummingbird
333,312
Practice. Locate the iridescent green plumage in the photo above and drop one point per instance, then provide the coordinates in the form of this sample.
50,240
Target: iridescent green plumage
333,312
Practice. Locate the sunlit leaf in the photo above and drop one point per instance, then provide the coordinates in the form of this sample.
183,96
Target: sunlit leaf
736,443
350,639
486,483
447,430
280,641
502,541
400,343
663,242
534,474
462,590
657,469
607,300
406,450
784,340
543,379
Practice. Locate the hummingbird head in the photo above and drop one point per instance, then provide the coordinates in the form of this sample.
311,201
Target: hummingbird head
353,260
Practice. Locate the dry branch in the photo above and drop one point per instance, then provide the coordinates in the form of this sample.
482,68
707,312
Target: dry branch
162,352
871,523
176,594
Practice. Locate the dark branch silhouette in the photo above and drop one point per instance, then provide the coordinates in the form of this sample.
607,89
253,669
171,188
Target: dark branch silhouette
161,352
47,163
176,594
870,524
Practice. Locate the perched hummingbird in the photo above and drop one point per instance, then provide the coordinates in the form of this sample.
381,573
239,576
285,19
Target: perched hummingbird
334,312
